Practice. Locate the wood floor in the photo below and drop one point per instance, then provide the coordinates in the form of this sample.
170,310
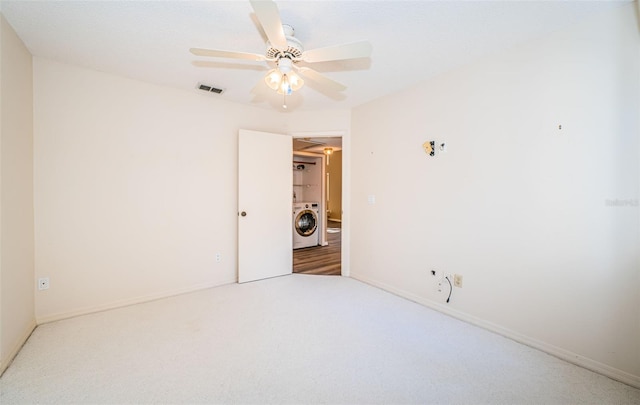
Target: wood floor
323,260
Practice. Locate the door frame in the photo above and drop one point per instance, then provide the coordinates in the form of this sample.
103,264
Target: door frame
346,191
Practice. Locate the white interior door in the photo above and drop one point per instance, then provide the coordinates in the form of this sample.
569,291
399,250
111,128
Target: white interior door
265,190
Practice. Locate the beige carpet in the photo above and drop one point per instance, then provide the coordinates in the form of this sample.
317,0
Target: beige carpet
291,340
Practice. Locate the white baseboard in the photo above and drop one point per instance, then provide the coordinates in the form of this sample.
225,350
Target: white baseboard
127,302
6,359
585,362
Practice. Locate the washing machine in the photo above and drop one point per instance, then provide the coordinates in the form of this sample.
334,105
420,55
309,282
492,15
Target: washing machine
306,224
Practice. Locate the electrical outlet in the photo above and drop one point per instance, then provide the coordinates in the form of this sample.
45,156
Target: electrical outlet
218,257
43,283
457,280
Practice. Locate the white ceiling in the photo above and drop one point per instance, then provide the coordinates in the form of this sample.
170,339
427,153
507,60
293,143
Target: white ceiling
412,40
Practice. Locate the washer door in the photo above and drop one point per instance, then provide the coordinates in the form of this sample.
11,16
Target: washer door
306,223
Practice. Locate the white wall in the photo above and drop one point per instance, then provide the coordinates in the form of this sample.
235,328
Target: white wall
516,206
16,194
135,187
319,123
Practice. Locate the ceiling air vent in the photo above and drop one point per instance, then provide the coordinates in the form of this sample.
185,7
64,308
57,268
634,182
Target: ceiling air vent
209,89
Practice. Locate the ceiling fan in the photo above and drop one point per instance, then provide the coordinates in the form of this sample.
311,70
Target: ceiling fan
286,53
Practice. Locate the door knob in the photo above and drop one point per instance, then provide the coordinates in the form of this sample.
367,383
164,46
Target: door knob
243,213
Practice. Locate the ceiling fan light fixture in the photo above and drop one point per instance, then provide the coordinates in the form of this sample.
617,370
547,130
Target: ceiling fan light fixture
289,83
285,86
273,79
295,81
283,79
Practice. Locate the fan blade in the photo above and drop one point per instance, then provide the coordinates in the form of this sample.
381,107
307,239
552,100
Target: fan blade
321,79
352,50
269,17
227,54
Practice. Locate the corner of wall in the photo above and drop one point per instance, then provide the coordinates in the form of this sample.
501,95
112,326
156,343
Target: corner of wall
17,315
8,356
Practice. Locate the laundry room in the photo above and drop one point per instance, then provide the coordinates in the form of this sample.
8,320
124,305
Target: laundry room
308,218
317,206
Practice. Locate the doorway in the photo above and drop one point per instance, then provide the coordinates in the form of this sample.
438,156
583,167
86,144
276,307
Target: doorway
320,159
